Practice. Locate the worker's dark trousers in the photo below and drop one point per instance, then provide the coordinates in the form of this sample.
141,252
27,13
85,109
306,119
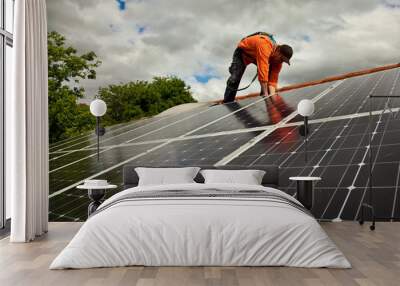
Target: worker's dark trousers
236,70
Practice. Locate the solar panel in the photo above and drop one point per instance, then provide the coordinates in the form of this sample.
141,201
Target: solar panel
245,133
121,135
84,167
263,112
338,153
342,193
72,204
90,138
196,120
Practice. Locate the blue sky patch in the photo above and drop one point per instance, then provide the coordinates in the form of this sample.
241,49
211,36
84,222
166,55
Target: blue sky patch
207,74
121,5
203,78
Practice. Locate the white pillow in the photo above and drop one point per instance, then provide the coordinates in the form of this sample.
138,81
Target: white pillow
248,177
164,176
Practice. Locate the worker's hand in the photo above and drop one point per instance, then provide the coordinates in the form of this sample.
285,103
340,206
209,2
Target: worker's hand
264,89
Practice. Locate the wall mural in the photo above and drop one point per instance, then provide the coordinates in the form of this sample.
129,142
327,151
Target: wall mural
143,61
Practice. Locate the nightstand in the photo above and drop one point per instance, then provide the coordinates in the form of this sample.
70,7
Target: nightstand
305,193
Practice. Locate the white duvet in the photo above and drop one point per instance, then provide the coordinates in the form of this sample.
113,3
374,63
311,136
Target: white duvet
193,231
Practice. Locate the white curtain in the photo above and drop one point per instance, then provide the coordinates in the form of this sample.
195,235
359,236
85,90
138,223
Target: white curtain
27,124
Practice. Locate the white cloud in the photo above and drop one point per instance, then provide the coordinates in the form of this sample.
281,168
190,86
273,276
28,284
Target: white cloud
182,37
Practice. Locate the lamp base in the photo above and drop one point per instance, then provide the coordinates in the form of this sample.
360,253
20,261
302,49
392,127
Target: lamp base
303,131
100,131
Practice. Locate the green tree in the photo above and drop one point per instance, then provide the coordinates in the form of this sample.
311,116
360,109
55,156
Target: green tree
125,101
66,69
134,100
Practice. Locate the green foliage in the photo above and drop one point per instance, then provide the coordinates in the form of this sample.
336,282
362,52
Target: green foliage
66,69
137,99
125,102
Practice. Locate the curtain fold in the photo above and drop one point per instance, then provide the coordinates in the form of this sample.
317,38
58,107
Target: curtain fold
27,123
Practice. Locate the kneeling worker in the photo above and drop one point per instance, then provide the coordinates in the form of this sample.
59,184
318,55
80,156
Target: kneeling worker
260,49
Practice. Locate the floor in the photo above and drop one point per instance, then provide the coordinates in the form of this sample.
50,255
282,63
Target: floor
375,256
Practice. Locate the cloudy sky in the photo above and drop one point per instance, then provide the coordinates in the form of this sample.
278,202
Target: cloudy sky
194,40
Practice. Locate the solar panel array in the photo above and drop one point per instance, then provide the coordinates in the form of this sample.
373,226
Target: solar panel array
256,132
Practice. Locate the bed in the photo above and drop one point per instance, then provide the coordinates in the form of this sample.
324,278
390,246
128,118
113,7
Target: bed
199,224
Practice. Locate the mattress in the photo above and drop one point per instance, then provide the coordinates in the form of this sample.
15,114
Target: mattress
201,225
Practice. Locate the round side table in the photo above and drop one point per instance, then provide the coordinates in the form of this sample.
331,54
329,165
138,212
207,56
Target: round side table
96,195
305,194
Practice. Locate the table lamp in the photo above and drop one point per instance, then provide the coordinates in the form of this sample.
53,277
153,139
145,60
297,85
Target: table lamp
98,108
305,108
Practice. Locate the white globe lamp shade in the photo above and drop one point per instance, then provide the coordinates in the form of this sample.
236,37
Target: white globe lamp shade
305,107
98,107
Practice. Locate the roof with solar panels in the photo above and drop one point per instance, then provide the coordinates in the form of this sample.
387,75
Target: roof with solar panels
256,131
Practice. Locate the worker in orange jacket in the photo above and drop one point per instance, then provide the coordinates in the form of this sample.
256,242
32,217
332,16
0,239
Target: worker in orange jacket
260,49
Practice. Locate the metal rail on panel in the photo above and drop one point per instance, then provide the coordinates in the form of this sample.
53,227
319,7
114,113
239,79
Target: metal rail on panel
370,203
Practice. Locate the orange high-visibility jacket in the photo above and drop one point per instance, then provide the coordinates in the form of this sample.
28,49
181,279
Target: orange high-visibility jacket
257,49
